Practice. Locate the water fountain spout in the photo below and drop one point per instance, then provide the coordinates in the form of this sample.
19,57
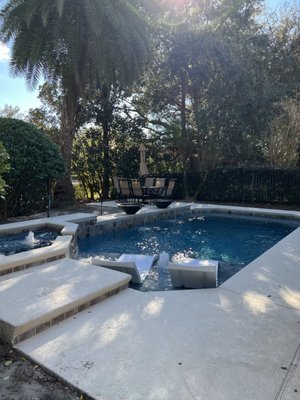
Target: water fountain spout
30,239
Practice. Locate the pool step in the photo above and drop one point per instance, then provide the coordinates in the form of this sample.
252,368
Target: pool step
35,299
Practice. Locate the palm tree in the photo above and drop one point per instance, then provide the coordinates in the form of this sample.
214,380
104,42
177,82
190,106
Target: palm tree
78,44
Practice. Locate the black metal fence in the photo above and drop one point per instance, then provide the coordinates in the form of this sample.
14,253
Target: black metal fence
248,185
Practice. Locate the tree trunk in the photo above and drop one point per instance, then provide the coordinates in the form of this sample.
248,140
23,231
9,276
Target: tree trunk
106,163
64,191
105,122
184,139
199,187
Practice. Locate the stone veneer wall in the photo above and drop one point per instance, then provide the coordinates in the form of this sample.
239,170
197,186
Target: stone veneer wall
34,263
127,221
86,228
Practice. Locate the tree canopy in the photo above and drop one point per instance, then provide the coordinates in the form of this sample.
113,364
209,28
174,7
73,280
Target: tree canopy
221,88
76,44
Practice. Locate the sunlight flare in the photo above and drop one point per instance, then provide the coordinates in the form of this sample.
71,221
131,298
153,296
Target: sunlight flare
4,52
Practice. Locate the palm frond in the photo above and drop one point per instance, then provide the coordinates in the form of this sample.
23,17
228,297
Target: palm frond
89,40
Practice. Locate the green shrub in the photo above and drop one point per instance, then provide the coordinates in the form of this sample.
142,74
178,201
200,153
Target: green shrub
35,161
4,167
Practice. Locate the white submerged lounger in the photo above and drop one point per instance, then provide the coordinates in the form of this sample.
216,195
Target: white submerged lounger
194,273
136,265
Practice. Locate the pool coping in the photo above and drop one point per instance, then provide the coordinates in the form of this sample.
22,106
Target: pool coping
250,211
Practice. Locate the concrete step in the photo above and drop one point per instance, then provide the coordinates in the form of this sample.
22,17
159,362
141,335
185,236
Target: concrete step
207,344
35,299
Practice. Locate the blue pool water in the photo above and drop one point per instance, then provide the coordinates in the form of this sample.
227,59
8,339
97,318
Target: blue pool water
235,242
17,242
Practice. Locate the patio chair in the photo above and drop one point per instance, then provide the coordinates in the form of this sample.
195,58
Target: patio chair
125,189
194,273
160,182
138,192
149,181
169,189
136,265
117,186
156,191
148,187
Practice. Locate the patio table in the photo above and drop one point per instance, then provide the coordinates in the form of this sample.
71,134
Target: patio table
152,191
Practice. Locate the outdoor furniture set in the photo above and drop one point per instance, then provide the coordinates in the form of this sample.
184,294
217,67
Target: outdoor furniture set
132,193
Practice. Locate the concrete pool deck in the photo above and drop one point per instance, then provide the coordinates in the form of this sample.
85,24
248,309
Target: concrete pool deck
185,345
237,342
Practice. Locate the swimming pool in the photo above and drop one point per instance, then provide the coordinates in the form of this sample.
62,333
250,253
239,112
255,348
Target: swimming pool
233,241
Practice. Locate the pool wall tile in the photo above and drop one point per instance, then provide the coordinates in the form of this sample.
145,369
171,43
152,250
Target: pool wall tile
119,221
